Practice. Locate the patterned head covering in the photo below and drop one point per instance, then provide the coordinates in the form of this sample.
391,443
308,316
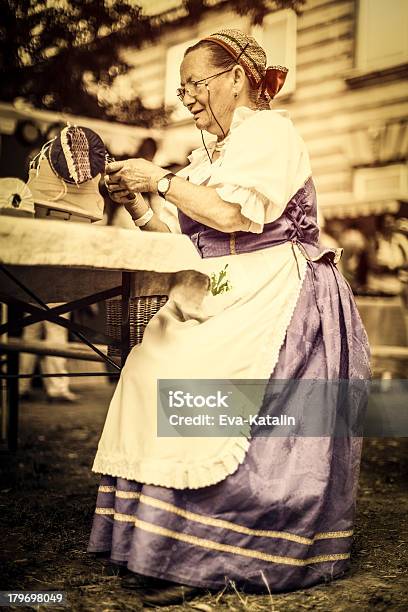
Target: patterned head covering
250,55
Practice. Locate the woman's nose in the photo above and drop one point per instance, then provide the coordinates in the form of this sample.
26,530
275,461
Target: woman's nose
190,99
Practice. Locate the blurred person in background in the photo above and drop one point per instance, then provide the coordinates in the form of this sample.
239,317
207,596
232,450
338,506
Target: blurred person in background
402,227
355,259
388,263
329,237
57,388
354,263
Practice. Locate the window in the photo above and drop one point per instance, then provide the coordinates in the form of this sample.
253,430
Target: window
387,182
277,35
382,34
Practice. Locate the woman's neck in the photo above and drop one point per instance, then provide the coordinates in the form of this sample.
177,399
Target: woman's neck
220,139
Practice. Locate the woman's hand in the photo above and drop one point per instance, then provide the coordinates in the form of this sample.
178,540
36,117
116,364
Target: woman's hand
133,202
132,175
125,180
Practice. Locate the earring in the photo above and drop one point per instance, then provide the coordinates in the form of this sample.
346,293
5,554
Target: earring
235,94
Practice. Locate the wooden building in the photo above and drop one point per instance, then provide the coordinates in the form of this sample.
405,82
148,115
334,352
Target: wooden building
346,93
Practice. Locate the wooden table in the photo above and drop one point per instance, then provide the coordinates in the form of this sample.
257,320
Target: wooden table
44,261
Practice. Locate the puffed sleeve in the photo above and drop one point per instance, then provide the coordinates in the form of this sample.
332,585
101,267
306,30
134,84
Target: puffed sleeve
265,163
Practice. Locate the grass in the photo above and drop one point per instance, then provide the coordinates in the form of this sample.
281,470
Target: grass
47,497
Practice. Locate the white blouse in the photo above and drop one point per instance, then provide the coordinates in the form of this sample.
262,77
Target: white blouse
262,164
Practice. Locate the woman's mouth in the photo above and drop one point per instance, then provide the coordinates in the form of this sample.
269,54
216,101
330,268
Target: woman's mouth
195,115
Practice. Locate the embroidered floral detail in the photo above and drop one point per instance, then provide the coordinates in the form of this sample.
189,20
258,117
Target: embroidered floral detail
219,283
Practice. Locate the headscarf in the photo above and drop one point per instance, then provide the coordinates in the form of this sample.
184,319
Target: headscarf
250,55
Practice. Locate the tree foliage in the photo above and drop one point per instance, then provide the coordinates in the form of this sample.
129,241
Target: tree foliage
257,9
48,46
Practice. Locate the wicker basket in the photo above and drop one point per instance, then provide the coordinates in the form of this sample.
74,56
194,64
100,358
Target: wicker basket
141,310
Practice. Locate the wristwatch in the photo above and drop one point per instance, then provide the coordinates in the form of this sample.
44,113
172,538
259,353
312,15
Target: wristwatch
163,185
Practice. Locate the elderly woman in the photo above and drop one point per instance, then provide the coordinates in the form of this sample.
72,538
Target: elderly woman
260,512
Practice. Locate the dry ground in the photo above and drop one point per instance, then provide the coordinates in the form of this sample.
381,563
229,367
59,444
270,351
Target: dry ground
47,500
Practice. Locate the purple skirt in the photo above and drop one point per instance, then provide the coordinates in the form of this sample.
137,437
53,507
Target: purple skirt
285,517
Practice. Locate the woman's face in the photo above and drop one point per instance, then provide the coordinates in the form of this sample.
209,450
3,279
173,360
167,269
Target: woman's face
219,93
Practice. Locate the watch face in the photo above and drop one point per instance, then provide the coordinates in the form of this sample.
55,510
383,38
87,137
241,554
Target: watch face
163,185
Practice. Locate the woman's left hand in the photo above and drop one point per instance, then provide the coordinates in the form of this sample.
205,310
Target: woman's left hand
133,175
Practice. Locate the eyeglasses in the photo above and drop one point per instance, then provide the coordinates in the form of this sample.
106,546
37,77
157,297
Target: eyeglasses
192,87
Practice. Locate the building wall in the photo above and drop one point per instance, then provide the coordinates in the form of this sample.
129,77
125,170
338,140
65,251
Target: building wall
337,121
329,114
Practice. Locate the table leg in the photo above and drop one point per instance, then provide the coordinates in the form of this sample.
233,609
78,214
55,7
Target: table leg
12,393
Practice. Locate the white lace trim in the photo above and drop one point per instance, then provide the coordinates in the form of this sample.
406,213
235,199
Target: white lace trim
68,155
176,475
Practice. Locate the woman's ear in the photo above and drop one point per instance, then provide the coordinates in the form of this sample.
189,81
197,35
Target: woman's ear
239,77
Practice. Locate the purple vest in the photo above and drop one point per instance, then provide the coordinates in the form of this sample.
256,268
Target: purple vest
297,224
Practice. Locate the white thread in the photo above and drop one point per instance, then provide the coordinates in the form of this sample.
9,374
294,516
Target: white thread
62,193
40,155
